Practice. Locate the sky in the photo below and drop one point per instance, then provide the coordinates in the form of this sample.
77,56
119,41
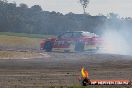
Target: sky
121,7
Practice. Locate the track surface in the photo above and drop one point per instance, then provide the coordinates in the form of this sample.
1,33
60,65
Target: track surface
59,69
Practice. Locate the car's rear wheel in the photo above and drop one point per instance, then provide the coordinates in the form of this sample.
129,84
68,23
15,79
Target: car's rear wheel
48,46
79,46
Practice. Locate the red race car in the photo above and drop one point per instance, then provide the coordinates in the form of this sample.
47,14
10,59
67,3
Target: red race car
72,42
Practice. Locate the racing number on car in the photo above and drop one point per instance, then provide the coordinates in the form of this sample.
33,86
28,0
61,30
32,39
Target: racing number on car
62,43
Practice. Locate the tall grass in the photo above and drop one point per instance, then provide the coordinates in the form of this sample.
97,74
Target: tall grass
26,35
10,40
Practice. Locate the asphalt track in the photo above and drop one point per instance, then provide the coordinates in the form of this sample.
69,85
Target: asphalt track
62,69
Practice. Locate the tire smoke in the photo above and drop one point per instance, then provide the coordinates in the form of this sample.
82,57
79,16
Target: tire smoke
115,42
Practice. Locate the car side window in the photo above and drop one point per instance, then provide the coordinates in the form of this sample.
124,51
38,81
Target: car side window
77,35
66,35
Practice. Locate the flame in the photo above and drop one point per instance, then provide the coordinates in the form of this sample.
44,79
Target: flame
84,73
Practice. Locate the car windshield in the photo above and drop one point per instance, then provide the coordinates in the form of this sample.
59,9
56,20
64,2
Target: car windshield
87,34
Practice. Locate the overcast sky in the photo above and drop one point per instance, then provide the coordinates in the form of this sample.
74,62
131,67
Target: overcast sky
121,7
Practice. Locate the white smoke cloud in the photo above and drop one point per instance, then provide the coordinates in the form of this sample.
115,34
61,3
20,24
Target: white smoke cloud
115,42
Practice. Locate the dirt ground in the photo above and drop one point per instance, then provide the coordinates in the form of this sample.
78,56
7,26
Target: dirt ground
62,69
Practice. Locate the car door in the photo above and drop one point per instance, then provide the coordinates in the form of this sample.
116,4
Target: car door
63,40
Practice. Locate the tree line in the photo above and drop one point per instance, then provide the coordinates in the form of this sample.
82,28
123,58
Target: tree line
34,20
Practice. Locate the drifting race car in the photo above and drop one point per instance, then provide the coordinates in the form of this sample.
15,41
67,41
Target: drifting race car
72,42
